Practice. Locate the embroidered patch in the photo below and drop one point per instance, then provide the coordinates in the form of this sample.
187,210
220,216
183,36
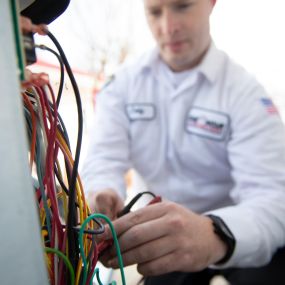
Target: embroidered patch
269,106
207,123
140,111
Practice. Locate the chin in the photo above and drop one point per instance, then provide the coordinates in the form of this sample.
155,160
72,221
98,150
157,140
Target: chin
179,64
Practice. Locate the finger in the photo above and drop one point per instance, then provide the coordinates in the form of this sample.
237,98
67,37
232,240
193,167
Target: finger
104,211
135,236
140,216
142,233
26,24
104,202
105,258
41,29
162,265
146,252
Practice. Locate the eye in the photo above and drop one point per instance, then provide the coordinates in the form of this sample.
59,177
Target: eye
154,12
182,6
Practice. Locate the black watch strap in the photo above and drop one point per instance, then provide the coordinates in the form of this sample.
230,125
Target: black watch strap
225,234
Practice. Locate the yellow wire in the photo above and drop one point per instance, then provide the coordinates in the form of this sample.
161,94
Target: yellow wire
83,208
78,271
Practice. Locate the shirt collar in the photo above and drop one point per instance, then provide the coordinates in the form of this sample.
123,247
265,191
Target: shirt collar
211,64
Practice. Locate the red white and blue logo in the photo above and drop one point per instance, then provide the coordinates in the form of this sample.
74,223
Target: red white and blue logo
207,123
269,106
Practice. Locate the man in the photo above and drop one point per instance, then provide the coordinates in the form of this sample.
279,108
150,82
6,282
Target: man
205,136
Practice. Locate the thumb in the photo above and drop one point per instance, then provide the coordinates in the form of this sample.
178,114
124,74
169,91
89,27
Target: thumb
106,202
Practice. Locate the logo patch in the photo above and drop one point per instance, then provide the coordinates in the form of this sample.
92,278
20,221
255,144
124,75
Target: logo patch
140,111
207,123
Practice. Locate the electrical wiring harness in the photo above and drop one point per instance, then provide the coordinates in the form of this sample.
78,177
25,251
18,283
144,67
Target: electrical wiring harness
68,228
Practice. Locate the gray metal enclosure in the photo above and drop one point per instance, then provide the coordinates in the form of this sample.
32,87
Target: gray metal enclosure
21,253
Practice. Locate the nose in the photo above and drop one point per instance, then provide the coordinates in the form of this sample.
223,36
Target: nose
169,23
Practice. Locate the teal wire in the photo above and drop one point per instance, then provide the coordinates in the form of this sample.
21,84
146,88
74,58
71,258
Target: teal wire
120,259
97,276
96,271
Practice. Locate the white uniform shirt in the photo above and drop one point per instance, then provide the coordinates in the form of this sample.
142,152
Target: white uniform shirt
213,144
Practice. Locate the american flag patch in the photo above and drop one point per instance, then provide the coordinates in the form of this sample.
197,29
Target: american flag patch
269,106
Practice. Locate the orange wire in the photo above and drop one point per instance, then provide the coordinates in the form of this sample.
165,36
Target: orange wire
34,126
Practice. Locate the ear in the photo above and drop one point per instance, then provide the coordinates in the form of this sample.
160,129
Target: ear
213,2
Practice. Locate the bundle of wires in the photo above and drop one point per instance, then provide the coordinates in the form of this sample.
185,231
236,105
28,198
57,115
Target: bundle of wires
68,229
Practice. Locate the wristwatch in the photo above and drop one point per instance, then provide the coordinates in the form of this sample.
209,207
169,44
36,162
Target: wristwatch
225,234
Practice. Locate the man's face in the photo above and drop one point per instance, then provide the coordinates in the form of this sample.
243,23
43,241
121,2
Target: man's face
181,29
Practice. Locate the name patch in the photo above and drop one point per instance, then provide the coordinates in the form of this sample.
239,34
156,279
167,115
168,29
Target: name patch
207,123
140,111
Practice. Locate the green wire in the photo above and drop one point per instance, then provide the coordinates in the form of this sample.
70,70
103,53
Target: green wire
96,271
87,220
66,261
97,276
17,35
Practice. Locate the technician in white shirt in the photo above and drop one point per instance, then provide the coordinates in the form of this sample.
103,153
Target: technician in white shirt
205,136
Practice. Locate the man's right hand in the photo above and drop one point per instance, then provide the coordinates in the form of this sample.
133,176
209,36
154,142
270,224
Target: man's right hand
106,202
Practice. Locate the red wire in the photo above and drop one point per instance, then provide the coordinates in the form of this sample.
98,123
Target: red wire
94,262
50,176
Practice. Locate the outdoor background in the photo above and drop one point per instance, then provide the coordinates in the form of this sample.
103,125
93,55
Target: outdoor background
97,36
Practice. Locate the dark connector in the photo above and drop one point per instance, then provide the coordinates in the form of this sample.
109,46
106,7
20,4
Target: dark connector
29,48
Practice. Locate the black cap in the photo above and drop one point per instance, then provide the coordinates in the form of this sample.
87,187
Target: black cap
45,11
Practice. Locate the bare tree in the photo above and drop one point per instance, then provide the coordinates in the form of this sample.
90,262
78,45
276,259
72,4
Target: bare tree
105,36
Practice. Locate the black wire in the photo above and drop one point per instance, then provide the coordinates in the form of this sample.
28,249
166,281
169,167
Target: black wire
128,207
73,248
101,228
61,128
98,231
63,131
43,47
148,192
63,186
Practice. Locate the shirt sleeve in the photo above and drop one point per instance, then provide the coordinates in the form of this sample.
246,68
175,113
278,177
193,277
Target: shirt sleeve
257,157
107,158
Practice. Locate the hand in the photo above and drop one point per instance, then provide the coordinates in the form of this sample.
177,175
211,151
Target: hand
27,26
106,202
163,238
34,79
